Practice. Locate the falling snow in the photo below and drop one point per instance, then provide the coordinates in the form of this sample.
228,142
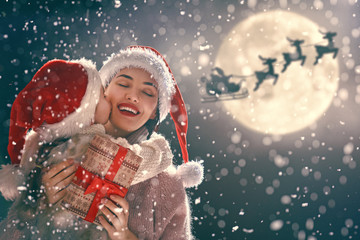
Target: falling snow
302,185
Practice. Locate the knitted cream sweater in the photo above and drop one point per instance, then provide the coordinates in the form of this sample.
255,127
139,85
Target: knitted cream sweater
159,208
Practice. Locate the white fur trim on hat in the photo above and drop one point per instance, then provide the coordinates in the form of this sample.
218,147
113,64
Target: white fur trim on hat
191,173
84,114
151,62
11,177
30,151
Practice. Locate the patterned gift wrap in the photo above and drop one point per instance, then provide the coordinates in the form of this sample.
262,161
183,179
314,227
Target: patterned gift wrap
107,169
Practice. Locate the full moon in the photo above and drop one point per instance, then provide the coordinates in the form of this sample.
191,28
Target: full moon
302,93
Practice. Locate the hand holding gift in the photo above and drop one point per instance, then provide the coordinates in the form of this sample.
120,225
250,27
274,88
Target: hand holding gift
108,169
57,178
116,216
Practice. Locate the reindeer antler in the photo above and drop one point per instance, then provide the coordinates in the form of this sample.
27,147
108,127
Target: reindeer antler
264,59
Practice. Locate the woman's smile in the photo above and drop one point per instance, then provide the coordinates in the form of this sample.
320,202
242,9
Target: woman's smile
128,109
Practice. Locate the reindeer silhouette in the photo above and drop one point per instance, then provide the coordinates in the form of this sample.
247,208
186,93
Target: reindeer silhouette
261,76
321,50
290,57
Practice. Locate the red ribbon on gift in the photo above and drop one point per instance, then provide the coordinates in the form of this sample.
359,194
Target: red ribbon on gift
102,186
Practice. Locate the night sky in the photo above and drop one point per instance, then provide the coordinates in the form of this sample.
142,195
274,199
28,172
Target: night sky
303,185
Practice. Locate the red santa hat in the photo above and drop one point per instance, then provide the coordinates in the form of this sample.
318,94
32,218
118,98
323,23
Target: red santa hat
58,102
170,98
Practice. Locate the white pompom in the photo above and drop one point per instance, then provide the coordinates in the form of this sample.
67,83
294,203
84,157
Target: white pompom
191,173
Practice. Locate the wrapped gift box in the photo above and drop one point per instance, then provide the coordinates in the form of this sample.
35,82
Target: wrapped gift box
107,169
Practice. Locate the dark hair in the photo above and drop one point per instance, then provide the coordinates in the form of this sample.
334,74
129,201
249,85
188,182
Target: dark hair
152,124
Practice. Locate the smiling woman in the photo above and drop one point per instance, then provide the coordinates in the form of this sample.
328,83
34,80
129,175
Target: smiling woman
133,95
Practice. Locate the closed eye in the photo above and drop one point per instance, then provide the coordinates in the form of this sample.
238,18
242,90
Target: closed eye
123,85
148,94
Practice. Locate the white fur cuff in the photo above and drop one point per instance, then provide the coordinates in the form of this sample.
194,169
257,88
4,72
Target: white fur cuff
11,177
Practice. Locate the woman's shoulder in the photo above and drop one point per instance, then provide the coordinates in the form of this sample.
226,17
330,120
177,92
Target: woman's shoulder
173,179
164,182
171,190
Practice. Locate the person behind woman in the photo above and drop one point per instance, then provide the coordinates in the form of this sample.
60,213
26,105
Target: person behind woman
141,88
62,98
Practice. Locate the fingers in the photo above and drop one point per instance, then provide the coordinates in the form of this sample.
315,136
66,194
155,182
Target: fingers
58,178
112,213
58,173
113,227
106,225
65,182
116,212
58,184
56,169
55,197
121,201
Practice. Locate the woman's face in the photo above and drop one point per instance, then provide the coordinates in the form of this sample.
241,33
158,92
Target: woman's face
133,95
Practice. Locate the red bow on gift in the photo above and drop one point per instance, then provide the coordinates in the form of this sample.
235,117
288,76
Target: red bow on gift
103,188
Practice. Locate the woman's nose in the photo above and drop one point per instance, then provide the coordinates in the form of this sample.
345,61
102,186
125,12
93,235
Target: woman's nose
132,96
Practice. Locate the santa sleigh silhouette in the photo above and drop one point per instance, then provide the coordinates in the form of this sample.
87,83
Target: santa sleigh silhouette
219,87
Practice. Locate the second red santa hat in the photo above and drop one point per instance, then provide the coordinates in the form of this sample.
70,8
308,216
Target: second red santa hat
58,102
